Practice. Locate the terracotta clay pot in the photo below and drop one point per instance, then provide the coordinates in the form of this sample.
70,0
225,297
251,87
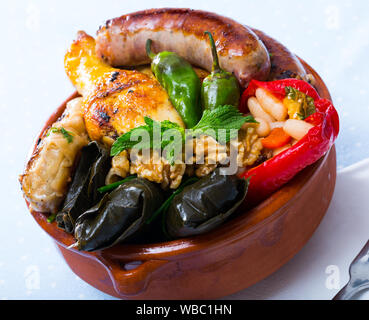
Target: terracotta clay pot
236,255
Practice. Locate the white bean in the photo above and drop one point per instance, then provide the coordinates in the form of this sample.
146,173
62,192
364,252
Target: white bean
276,124
263,127
257,111
281,149
297,129
271,104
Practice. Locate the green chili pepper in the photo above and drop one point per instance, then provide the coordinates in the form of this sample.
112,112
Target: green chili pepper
220,87
181,82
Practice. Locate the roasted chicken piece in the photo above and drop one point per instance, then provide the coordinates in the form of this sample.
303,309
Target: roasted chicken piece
48,172
115,100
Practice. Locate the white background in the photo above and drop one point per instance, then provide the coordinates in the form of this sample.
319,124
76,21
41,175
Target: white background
332,36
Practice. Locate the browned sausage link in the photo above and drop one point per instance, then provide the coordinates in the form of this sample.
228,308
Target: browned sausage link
284,64
121,41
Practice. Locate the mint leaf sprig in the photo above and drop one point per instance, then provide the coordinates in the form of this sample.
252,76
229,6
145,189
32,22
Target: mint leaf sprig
226,117
221,118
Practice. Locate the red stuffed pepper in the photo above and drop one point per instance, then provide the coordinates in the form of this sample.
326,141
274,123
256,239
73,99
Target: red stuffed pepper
300,128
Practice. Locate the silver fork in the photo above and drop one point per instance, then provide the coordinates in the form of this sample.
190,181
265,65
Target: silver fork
359,276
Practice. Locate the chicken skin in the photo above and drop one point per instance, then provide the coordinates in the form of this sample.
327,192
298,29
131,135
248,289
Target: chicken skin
115,100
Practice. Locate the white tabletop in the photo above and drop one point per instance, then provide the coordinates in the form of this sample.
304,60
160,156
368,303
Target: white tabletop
332,36
320,269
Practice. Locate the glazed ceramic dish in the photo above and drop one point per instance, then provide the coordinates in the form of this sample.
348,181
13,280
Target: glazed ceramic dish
244,251
237,254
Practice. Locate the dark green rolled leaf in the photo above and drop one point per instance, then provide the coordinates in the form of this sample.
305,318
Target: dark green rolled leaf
90,174
120,215
205,204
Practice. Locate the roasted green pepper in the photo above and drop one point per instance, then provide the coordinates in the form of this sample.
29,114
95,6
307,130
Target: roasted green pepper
220,87
181,82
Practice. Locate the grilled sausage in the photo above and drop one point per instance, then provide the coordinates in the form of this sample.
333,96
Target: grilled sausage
284,64
121,41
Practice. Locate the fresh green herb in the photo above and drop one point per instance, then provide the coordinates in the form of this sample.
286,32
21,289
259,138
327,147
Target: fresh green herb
223,118
125,142
67,135
226,118
129,139
114,185
307,106
164,207
51,218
